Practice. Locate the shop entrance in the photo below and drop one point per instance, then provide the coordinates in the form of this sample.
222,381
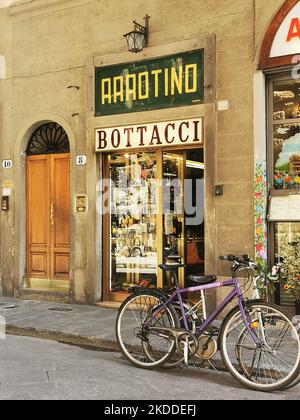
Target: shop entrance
151,191
48,209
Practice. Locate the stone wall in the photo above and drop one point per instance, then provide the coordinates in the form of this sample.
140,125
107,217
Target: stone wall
48,43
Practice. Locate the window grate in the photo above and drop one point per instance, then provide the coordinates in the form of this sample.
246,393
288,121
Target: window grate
50,138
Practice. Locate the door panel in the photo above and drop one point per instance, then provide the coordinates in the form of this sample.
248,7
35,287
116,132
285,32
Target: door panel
38,264
60,225
48,216
38,232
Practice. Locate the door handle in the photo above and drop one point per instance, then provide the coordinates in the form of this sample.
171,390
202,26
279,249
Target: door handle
52,216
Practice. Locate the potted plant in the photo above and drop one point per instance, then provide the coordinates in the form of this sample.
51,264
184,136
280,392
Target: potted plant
266,280
290,269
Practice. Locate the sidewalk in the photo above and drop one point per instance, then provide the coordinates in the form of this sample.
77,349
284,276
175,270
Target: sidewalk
71,324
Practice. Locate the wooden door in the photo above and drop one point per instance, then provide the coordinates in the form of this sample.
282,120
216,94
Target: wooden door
48,217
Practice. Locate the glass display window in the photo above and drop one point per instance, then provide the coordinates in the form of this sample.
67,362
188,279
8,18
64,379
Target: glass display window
284,174
286,134
133,221
287,247
286,98
148,189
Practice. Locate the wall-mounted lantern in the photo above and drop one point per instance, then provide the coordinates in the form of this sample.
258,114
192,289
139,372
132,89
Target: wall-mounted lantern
137,39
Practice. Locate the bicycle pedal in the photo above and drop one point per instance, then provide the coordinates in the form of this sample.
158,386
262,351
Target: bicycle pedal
213,331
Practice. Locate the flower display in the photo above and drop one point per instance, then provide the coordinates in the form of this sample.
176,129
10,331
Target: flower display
260,200
286,181
266,280
289,275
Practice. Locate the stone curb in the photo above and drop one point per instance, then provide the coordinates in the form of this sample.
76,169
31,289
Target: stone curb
95,343
65,338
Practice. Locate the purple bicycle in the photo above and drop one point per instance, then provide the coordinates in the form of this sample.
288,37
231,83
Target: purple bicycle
258,341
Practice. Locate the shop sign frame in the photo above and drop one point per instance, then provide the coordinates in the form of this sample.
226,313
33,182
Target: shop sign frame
184,133
167,82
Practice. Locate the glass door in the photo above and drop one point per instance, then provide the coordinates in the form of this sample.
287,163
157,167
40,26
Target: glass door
194,213
173,174
183,210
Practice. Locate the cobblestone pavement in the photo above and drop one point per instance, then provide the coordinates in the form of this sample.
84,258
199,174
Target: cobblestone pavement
39,369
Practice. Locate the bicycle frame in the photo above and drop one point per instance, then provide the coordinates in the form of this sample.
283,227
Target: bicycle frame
236,292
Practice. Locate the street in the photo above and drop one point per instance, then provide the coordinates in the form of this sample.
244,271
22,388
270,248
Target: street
33,369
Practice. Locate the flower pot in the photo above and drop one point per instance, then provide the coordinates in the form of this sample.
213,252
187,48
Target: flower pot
297,306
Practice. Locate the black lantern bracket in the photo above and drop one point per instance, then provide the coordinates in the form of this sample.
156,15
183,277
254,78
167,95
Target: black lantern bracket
137,39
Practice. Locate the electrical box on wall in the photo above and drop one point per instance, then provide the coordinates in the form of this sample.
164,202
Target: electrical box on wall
219,190
5,203
81,204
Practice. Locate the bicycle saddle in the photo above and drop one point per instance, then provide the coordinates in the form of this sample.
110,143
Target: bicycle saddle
202,280
171,267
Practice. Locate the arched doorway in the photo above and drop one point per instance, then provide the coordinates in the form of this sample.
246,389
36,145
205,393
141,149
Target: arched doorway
48,209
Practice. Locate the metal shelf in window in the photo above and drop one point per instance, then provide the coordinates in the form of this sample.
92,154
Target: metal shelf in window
287,122
50,138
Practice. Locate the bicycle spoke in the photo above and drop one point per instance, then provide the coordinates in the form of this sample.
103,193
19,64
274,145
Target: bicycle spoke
275,361
139,343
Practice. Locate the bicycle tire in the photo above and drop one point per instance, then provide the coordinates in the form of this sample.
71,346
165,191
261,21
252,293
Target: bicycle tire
276,316
290,386
293,384
137,354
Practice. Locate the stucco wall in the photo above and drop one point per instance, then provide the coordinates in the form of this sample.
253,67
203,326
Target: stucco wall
50,43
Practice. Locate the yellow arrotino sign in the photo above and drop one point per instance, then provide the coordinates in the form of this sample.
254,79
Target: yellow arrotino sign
154,84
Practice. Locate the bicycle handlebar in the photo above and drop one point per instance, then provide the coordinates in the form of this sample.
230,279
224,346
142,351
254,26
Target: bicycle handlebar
230,258
244,260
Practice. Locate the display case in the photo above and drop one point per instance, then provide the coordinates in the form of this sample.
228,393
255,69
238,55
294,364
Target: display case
148,194
133,221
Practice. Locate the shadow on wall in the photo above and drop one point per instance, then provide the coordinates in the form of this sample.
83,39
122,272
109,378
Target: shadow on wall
2,67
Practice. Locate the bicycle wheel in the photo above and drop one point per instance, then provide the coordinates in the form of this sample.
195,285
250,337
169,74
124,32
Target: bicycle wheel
241,344
293,384
270,367
145,347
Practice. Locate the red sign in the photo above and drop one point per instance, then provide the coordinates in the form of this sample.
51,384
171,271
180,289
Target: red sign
294,31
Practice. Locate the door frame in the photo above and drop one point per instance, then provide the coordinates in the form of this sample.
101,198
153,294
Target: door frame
49,226
19,177
281,75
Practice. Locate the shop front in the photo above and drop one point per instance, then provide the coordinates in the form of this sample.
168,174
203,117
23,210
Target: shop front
156,201
280,63
180,109
152,200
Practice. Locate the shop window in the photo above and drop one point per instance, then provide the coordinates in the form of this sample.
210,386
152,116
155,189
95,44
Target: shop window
286,130
156,207
133,221
287,243
284,172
